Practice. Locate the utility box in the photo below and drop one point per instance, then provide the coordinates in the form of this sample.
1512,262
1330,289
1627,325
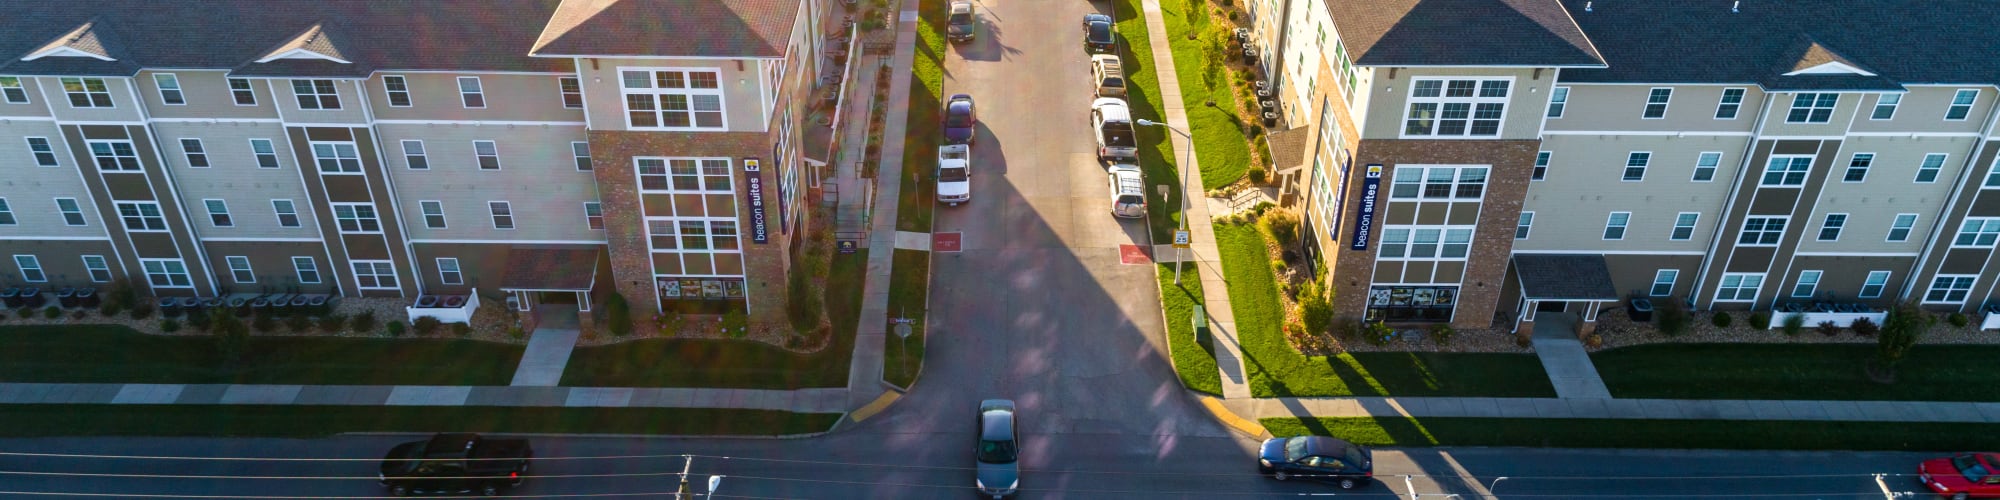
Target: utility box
1200,323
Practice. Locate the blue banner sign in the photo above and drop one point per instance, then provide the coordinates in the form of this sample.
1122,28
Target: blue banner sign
1364,222
754,179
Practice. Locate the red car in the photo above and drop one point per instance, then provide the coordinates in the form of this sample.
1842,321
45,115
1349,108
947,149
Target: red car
1962,476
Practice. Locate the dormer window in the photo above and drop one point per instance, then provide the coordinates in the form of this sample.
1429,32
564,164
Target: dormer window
1456,108
316,94
87,92
1812,108
673,99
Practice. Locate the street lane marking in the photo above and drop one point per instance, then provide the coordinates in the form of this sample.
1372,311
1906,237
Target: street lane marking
1133,255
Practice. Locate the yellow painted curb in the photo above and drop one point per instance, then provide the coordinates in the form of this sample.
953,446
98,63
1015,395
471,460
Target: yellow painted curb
881,403
1229,418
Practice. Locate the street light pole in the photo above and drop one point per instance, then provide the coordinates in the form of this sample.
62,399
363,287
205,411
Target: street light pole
1188,156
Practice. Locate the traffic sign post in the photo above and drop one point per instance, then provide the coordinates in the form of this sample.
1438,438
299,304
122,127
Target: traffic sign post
1181,241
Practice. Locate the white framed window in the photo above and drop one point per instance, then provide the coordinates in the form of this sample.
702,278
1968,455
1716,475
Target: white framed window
1899,230
448,272
87,93
241,92
306,269
98,268
356,218
141,216
673,98
398,90
1950,288
488,154
336,157
1558,99
1705,165
1456,108
1761,231
1808,107
1786,170
413,155
1656,103
1808,283
1684,226
1439,182
1614,226
471,93
1541,166
580,151
1961,104
115,156
11,89
572,92
374,274
44,153
1732,102
72,212
288,214
1977,232
316,94
1873,286
1885,106
1927,171
1857,167
6,214
170,89
1635,165
265,152
1663,282
1739,287
1426,242
593,214
239,269
685,175
197,156
1992,175
166,273
433,211
1523,225
218,212
1829,228
503,214
31,268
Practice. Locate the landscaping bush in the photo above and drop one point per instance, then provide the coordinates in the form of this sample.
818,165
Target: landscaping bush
1377,333
1673,320
1864,327
120,296
169,325
395,328
1794,324
1257,174
616,312
332,322
1346,327
1257,211
232,337
1282,225
461,329
109,309
1315,311
1905,325
198,321
263,322
735,324
24,313
142,311
668,322
425,326
1593,341
52,312
76,315
516,333
1957,320
1829,329
299,323
363,322
1524,339
1721,319
1441,334
1760,321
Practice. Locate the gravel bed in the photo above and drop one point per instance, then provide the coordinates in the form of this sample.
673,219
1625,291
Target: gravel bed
1618,330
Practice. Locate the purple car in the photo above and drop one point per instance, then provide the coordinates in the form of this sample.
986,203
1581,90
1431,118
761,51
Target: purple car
959,119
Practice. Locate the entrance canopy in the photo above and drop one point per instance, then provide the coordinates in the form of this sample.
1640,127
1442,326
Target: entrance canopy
550,269
1547,277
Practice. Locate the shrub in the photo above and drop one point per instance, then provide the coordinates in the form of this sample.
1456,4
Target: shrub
1257,174
617,313
1377,333
142,311
263,322
198,321
76,315
395,328
1864,327
1829,329
461,329
232,337
1760,321
1957,320
332,323
1282,224
52,312
1721,319
299,323
1906,323
1315,311
363,322
1441,334
1524,339
120,296
1346,327
1673,320
668,322
169,325
1261,207
1593,341
516,333
1794,324
1232,14
110,308
735,324
425,326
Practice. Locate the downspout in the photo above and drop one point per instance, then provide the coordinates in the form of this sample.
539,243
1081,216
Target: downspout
1722,219
1938,223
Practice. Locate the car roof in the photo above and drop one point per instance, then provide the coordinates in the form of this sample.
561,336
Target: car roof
996,420
1327,446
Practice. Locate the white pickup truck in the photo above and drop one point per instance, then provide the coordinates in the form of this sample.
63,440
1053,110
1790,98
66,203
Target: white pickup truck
954,174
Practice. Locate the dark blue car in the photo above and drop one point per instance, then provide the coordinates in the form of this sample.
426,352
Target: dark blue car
959,118
1098,36
1317,458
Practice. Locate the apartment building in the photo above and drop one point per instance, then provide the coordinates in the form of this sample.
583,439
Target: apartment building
1480,162
548,150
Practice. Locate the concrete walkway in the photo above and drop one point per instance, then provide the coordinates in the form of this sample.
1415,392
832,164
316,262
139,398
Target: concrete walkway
1698,409
1566,361
547,355
1222,320
803,400
864,373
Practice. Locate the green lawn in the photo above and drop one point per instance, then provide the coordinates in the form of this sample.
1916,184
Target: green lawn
1797,371
1195,361
909,290
1220,147
920,141
116,354
318,421
1276,370
1157,158
1672,434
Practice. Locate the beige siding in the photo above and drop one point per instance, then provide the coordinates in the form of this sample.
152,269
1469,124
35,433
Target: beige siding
124,109
1527,98
351,107
538,178
207,95
31,191
38,103
1889,189
509,97
1922,110
1843,115
742,102
1584,186
1601,107
234,177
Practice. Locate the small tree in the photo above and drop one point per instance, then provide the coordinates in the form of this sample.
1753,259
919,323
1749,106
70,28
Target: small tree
1314,310
1901,330
120,296
618,314
232,337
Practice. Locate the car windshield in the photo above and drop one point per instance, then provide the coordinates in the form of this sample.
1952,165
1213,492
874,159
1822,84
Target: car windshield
951,175
961,18
1969,466
1295,448
1132,199
1100,32
996,452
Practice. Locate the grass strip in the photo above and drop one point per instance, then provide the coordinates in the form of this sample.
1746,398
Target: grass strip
315,421
1219,143
1157,159
116,354
921,137
1659,434
1194,359
909,289
1797,371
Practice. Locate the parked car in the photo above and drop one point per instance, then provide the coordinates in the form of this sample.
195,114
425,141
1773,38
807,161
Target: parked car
1107,76
456,463
1317,458
961,25
1962,476
1128,191
954,174
1111,121
998,450
1098,35
959,119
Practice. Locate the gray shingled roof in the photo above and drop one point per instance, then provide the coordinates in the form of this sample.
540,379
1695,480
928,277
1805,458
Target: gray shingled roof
1564,277
717,28
1701,41
1461,33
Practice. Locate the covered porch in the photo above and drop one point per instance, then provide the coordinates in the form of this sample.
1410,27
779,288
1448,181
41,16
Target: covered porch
551,287
1561,294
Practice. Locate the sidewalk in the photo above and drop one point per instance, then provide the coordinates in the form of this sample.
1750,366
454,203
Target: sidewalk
864,374
1693,409
802,400
1222,320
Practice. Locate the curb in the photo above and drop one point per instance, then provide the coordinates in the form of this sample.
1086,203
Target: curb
1229,418
872,409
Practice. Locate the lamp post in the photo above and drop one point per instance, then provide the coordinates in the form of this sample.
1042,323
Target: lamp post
1188,156
714,483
